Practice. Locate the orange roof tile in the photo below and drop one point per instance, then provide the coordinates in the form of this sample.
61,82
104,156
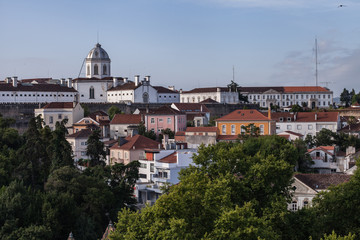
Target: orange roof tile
137,142
59,105
126,119
305,89
172,158
201,129
244,115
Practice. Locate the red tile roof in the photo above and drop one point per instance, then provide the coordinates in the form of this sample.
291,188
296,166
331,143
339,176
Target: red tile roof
244,115
180,133
59,105
126,119
137,142
207,90
201,129
305,89
227,137
322,181
85,133
164,110
161,89
209,100
172,158
305,116
35,88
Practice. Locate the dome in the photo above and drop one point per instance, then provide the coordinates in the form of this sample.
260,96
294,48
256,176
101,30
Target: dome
98,53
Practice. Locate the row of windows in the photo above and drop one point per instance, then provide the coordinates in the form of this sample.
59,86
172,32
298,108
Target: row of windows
297,96
165,96
296,102
60,116
203,98
242,130
152,120
298,127
119,94
96,69
119,154
36,95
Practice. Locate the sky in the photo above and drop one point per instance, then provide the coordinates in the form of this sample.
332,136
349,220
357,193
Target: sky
187,43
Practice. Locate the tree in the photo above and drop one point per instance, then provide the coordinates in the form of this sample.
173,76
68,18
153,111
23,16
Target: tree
96,149
250,130
113,110
324,138
142,131
296,108
235,189
345,97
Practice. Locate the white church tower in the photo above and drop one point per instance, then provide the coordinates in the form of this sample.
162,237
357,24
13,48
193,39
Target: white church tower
97,63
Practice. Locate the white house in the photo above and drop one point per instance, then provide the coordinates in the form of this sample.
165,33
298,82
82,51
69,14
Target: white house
311,96
218,94
78,142
306,123
163,169
307,186
122,124
57,111
167,95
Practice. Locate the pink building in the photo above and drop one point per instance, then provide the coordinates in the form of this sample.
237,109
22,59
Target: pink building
163,118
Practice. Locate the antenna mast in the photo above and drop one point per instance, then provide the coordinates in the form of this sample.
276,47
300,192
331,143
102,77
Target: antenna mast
233,74
316,62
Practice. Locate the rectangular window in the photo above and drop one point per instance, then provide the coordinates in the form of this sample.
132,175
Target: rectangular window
261,129
223,129
83,143
119,155
141,175
168,120
298,127
51,119
288,127
151,167
310,127
59,116
232,129
143,165
152,120
83,153
160,119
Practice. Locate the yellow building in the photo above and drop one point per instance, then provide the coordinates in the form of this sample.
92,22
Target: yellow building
231,124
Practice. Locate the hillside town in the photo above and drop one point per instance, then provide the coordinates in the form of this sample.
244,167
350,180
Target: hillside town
160,133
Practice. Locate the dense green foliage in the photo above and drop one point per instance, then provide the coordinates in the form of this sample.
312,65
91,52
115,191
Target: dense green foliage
143,131
113,110
44,196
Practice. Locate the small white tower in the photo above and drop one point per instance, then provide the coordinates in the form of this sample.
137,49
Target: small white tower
97,63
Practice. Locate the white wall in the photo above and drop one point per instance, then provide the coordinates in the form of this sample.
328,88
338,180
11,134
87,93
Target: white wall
36,97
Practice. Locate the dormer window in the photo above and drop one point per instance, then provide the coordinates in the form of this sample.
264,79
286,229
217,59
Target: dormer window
289,119
281,119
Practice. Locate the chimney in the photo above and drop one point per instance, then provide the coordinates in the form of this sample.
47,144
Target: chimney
62,81
295,114
269,112
69,82
15,81
125,79
115,82
137,77
147,78
171,88
316,116
8,80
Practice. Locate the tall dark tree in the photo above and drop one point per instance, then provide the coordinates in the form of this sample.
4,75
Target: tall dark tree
345,97
113,110
59,149
143,131
96,149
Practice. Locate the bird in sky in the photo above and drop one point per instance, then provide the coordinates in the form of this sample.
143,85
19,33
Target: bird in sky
341,5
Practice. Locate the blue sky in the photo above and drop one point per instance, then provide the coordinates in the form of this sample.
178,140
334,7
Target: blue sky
186,43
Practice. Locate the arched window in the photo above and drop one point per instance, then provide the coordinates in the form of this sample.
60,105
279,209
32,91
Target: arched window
92,92
88,70
96,69
145,97
294,206
104,69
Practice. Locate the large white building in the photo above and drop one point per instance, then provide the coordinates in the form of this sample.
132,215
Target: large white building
218,94
310,96
14,91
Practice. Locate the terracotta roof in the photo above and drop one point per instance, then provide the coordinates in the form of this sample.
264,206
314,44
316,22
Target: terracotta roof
191,107
137,142
286,136
207,90
126,86
324,149
172,158
180,133
59,105
305,89
293,89
209,100
227,137
38,80
164,110
201,129
277,115
161,89
126,119
322,181
305,116
35,88
85,133
244,115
